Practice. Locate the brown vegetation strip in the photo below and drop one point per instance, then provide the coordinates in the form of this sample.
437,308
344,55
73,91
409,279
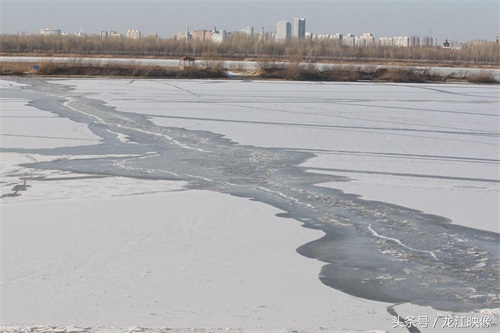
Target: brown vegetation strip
267,69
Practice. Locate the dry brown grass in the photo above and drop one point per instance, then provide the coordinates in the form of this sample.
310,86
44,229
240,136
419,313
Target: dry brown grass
345,73
268,69
16,68
78,68
409,75
481,77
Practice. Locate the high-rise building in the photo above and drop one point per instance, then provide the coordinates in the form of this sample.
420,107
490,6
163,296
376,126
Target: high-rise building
202,34
386,41
414,41
299,28
427,41
401,41
134,34
187,35
283,31
349,40
366,39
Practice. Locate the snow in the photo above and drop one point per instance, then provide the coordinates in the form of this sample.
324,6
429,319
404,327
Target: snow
82,252
428,147
25,126
163,262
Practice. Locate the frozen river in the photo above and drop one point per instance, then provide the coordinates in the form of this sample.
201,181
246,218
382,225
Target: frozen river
402,180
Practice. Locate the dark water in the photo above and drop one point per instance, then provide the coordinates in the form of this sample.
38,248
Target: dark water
372,250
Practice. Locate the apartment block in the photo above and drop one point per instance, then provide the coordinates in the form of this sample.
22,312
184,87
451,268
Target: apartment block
134,34
299,28
283,31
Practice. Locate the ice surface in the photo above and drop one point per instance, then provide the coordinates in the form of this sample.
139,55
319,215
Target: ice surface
429,147
180,259
24,126
114,235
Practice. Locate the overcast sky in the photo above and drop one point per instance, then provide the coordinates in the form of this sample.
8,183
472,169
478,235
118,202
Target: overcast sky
455,20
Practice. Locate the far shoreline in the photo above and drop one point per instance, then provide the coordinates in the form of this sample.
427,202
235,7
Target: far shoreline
285,59
88,66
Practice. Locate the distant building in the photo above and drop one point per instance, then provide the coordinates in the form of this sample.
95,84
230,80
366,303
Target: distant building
349,40
106,34
203,35
401,41
452,45
248,31
186,36
386,41
134,34
283,31
265,36
337,36
50,32
364,40
414,41
21,33
299,28
427,41
219,36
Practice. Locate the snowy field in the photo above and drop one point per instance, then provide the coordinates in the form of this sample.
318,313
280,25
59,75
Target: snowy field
180,204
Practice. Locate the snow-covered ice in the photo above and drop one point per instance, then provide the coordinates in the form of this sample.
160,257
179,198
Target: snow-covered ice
427,147
107,221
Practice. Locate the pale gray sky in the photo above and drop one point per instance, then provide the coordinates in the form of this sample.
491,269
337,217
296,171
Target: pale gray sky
455,20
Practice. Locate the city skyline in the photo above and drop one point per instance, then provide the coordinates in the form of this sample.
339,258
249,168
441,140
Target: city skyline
442,20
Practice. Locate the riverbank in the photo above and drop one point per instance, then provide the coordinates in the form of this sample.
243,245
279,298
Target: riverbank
264,69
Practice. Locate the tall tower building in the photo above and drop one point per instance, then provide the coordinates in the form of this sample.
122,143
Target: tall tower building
283,31
187,35
299,28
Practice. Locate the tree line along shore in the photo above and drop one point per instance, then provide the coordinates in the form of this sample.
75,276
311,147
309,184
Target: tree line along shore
295,60
243,47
